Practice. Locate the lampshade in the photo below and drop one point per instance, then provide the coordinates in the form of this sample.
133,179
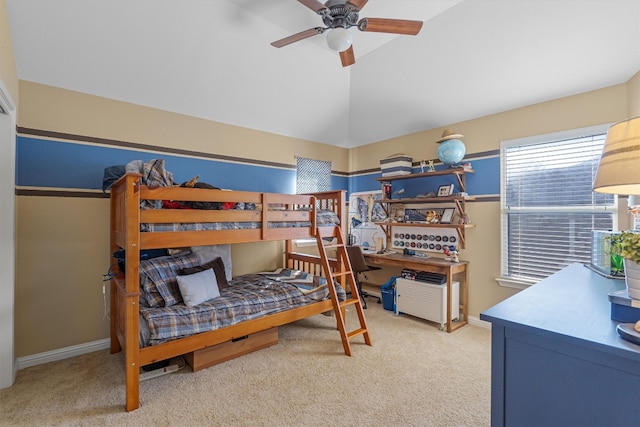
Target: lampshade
619,168
339,39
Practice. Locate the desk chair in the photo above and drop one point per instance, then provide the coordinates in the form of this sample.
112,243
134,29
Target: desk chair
359,265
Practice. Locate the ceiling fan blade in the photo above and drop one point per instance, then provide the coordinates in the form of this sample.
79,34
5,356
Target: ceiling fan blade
347,57
358,3
395,26
297,37
314,5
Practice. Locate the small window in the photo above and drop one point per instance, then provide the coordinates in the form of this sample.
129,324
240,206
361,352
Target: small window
548,207
312,175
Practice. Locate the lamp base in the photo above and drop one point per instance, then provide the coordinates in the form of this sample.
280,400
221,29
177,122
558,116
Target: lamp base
627,331
632,278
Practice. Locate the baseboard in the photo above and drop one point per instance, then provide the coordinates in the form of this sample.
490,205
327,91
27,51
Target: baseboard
477,322
62,353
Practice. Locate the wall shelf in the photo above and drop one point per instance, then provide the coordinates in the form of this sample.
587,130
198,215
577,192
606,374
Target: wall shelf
458,201
441,199
459,173
422,224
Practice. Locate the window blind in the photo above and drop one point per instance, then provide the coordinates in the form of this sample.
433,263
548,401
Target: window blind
312,175
548,206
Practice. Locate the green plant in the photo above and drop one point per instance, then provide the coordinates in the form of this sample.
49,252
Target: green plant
627,245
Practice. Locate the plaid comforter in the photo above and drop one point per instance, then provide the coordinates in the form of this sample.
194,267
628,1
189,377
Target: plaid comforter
248,297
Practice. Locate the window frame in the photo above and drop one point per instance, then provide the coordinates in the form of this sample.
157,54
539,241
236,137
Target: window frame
517,282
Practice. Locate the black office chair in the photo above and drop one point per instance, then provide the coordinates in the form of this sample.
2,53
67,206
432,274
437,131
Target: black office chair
359,266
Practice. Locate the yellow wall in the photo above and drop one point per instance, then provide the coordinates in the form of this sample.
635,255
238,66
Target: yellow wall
62,252
634,95
8,73
484,134
59,299
54,109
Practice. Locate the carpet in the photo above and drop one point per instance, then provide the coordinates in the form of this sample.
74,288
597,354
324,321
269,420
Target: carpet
413,375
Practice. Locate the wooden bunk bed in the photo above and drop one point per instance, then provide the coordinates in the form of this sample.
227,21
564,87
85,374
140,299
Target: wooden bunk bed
295,217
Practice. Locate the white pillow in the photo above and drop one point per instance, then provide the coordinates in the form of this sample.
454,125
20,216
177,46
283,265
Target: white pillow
198,287
209,253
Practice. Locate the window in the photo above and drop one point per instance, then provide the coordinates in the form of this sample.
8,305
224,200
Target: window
312,175
548,208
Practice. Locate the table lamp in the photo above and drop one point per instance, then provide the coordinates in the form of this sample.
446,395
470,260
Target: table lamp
619,173
619,168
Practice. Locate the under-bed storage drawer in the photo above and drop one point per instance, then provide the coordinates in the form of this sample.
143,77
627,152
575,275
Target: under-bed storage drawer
219,353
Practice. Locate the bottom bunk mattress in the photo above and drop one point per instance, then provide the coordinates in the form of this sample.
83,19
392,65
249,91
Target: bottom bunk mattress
247,297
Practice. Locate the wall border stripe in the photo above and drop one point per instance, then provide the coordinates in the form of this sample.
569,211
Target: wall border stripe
198,154
145,147
61,193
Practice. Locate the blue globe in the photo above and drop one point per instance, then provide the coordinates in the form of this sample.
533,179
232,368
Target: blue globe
451,151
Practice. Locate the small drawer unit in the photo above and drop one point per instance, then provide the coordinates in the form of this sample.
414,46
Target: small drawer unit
237,347
427,301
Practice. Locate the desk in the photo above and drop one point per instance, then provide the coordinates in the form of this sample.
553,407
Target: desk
433,265
556,359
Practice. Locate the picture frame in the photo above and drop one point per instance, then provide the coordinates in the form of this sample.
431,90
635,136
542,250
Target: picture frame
445,190
422,216
447,216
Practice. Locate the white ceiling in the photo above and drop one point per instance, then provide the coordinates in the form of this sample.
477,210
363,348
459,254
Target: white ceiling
213,59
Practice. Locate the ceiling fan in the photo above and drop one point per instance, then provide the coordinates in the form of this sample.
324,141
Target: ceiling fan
339,16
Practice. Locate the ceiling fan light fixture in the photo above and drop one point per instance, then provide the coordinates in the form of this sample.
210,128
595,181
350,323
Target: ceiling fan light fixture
339,39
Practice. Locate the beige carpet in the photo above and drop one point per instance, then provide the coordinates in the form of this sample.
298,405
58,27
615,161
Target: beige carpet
413,375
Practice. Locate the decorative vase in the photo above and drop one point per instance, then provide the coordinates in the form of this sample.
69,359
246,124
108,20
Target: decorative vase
632,278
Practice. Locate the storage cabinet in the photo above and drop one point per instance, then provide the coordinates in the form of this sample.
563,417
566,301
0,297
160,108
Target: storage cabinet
458,201
556,359
427,301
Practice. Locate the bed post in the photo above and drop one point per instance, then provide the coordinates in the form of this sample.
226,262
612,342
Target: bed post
132,285
113,246
343,213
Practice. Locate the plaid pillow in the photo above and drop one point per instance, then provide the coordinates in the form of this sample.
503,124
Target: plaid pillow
158,282
324,217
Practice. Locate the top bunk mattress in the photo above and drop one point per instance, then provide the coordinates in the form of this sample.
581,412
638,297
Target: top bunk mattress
323,218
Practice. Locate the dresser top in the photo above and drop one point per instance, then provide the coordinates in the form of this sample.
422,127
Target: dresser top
571,304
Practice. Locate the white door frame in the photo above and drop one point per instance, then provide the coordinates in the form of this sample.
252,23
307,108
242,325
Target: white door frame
8,364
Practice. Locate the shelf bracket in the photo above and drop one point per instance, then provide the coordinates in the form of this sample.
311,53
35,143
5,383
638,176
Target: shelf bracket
461,238
461,182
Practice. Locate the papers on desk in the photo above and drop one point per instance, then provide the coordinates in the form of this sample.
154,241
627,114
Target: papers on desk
374,253
368,251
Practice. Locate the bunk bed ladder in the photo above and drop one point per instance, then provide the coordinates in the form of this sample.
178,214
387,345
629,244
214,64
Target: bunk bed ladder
345,274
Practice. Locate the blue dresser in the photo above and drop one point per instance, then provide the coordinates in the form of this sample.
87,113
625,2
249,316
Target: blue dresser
556,359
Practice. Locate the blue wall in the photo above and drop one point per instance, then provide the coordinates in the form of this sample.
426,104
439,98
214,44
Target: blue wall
485,180
47,163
